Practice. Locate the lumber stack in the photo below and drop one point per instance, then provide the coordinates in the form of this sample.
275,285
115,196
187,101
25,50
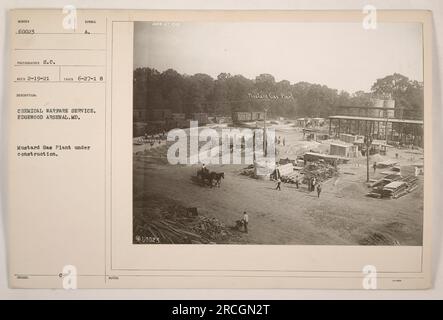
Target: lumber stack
393,189
184,230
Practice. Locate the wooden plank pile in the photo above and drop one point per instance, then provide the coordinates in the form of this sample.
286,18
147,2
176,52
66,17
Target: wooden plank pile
384,181
394,189
196,230
412,182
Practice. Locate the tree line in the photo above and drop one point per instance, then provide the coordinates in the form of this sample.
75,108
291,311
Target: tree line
229,93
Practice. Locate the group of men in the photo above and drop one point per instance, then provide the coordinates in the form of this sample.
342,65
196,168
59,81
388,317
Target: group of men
313,185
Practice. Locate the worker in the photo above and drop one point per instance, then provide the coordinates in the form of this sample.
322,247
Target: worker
245,221
278,184
318,190
374,166
416,171
314,182
297,182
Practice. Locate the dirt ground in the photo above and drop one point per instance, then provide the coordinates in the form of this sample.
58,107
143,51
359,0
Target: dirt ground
342,215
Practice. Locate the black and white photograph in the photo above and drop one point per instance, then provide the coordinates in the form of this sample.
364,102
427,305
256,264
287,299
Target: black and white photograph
278,133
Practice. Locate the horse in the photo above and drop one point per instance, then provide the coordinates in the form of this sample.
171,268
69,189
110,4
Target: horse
204,174
217,176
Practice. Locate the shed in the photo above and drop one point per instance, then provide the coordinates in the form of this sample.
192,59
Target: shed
343,150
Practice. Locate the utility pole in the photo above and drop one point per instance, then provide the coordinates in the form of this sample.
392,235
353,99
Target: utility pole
265,142
368,142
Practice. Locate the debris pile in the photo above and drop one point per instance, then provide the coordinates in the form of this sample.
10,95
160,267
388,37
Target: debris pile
176,224
320,170
291,178
248,171
378,239
210,228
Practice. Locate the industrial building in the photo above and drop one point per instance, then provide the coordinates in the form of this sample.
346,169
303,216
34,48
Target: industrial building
383,121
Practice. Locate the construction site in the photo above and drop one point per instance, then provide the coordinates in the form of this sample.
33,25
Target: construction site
370,169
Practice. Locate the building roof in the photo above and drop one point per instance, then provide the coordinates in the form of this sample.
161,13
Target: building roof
311,130
377,119
374,143
325,156
366,108
342,144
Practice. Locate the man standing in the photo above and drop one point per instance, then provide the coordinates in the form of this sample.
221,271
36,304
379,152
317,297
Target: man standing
245,221
297,182
318,190
374,166
278,185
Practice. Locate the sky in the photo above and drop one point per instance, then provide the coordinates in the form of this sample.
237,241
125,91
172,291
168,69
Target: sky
343,56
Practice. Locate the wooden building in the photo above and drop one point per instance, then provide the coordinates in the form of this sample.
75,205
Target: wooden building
201,117
246,116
